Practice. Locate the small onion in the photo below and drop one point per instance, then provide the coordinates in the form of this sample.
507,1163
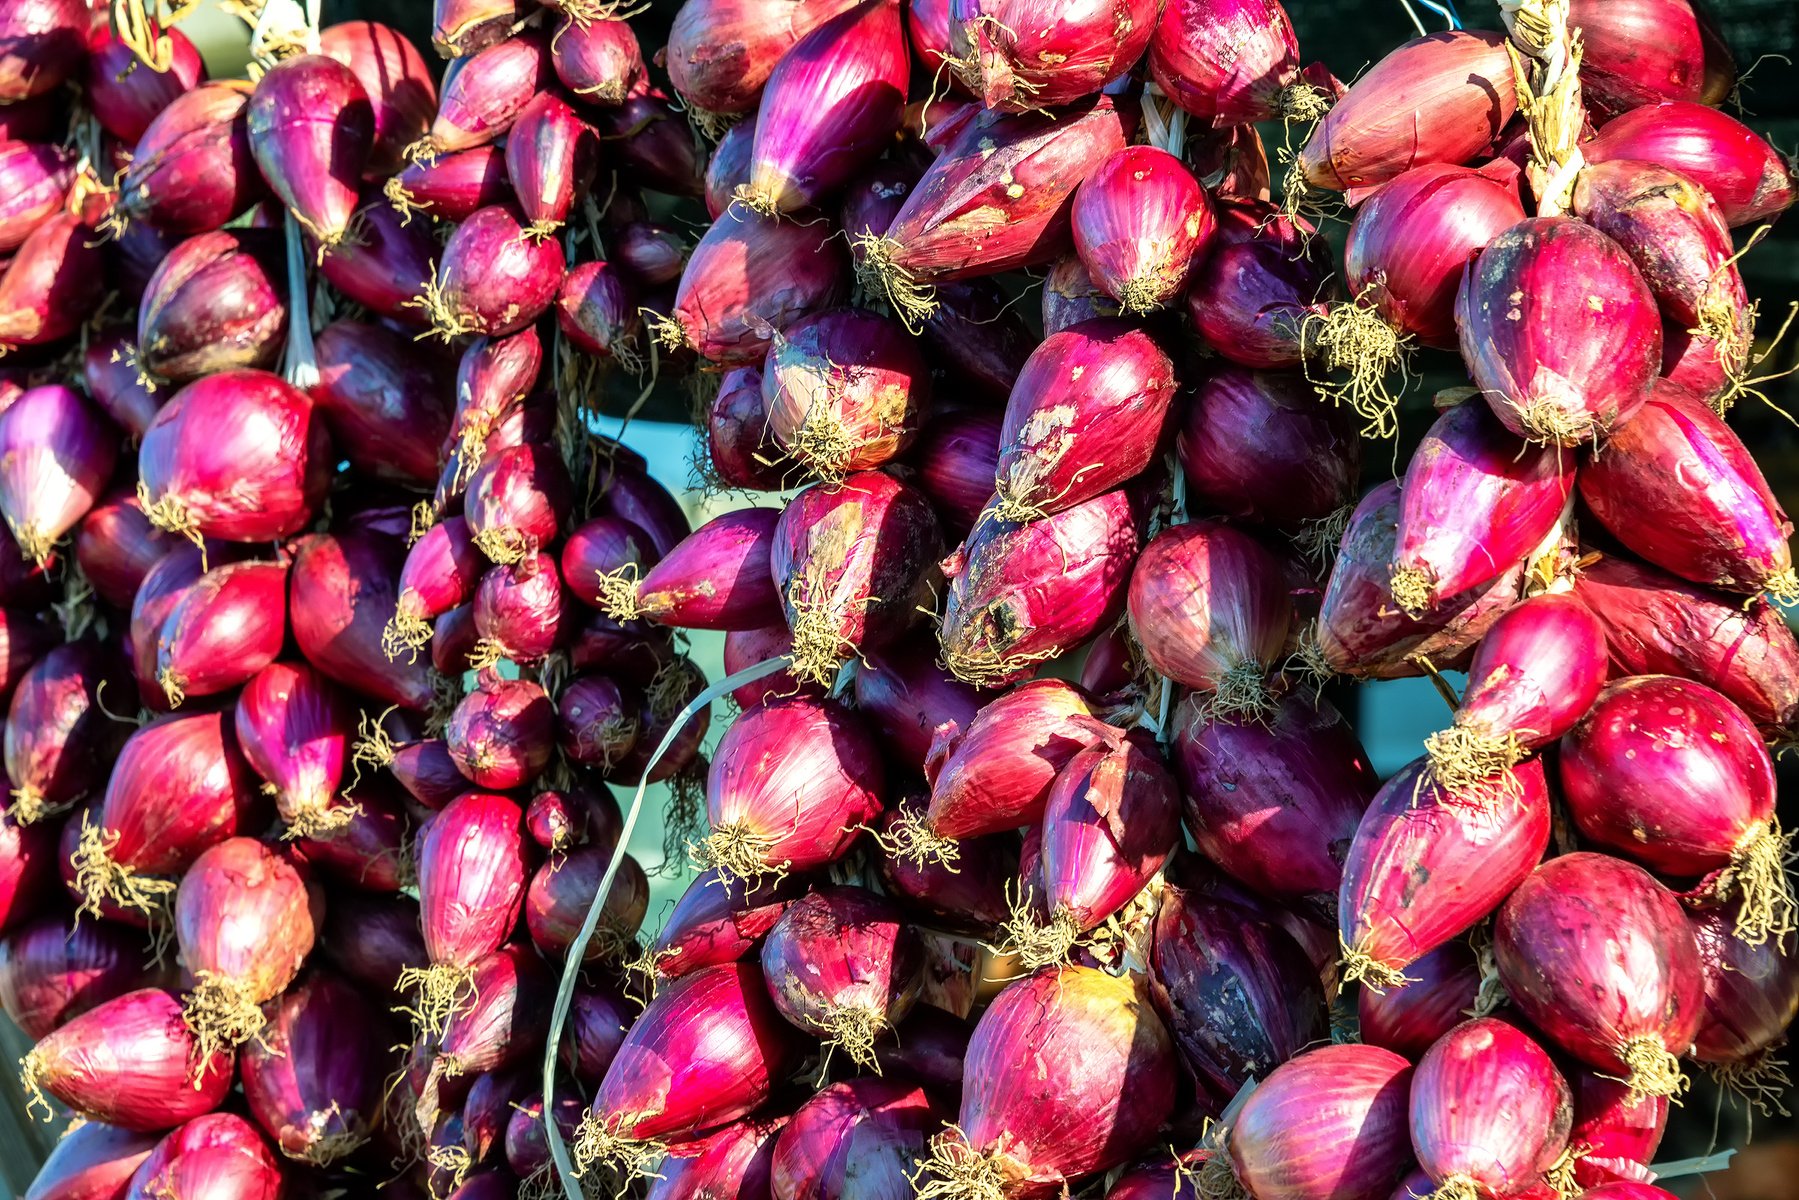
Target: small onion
1139,222
56,453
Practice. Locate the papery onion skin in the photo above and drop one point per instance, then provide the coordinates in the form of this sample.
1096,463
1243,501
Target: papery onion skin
381,400
598,61
52,284
845,966
1746,176
56,452
92,1161
209,1158
1408,1018
721,52
192,170
492,279
517,611
717,577
312,129
451,186
126,94
862,1137
485,96
1263,276
1619,1133
562,888
597,310
1751,998
1330,1123
1489,1106
386,264
550,157
225,628
1018,55
37,177
1228,63
995,773
1639,52
740,449
216,302
718,920
1140,220
844,390
117,382
28,865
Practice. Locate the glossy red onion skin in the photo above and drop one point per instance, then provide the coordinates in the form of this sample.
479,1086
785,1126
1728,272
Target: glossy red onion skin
313,1073
1751,993
994,773
1022,593
1475,501
573,817
52,284
1409,1018
396,80
1638,963
599,62
295,727
1639,52
965,219
907,697
597,311
242,914
513,990
518,609
502,734
861,1138
1024,55
1240,996
716,922
54,968
1086,414
717,577
1439,98
472,866
956,457
1277,804
217,302
1411,239
453,186
804,774
484,98
1228,63
518,497
1261,278
1476,846
125,94
634,495
599,547
1257,445
561,890
381,400
1619,1134
1042,1117
852,378
28,867
228,626
312,130
1717,522
550,158
92,1161
842,948
721,52
872,201
57,451
212,1157
494,378
831,104
1512,687
115,547
1293,1138
37,179
386,265
341,595
1667,773
1140,220
162,588
192,170
719,1033
1744,174
493,279
1207,599
148,1082
748,270
1488,1104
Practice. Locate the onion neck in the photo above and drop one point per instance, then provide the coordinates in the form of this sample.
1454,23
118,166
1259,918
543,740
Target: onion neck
1546,58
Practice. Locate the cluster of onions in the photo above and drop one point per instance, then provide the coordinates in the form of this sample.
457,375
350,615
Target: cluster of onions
1038,844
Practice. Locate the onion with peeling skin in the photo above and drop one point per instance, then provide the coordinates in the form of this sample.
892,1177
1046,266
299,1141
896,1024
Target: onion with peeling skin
56,453
1019,55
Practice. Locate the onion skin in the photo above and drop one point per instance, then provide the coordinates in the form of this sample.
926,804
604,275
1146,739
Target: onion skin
56,453
486,95
501,735
213,1157
844,391
452,186
511,990
312,130
394,77
1428,864
1600,958
1619,1134
598,61
1086,414
310,1079
52,284
225,628
492,279
1639,52
979,335
1668,773
1751,998
516,501
721,52
596,309
1140,221
115,547
1329,1123
494,378
844,966
597,720
717,577
707,1050
873,199
370,939
746,272
381,401
91,1162
130,1062
561,889
739,449
518,611
1022,593
1441,98
1716,520
37,179
28,866
370,848
163,585
1262,278
1276,805
718,920
955,460
341,594
1019,55
907,697
1240,996
1231,63
118,384
966,892
573,817
830,106
1257,445
218,301
728,168
1044,1082
550,160
598,548
1411,239
1475,501
386,265
1746,176
42,43
1070,295
53,968
1409,1018
1489,1109
792,782
192,170
860,1138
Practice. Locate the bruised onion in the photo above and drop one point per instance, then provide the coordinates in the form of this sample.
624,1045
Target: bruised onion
1019,55
1748,178
56,453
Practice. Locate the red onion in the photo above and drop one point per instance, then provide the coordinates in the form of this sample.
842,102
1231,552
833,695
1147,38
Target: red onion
928,30
831,105
492,278
1748,178
37,179
310,1077
131,1062
1086,414
850,563
844,967
1476,500
1490,1113
501,735
1362,632
1639,52
979,335
381,400
494,376
1429,863
573,817
956,459
748,273
516,502
550,159
224,629
452,186
908,697
1536,672
844,391
396,81
674,686
488,1110
215,1157
54,968
239,455
52,285
511,990
1598,955
862,1138
28,866
1276,804
1070,295
1231,63
1023,593
385,263
162,588
1671,774
968,893
294,727
792,783
1140,220
42,43
739,450
1441,98
994,200
518,611
1408,1018
715,578
728,169
1045,1086
873,200
1329,1123
371,939
370,845
599,61
1751,998
464,27
597,310
1210,608
485,96
91,1162
472,863
1573,361
1023,55
341,595
564,886
633,495
217,302
116,380
718,920
312,130
653,255
647,141
426,770
192,170
528,1150
745,648
598,549
1257,445
1254,293
721,52
115,547
56,454
1618,1134
707,1050
127,93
